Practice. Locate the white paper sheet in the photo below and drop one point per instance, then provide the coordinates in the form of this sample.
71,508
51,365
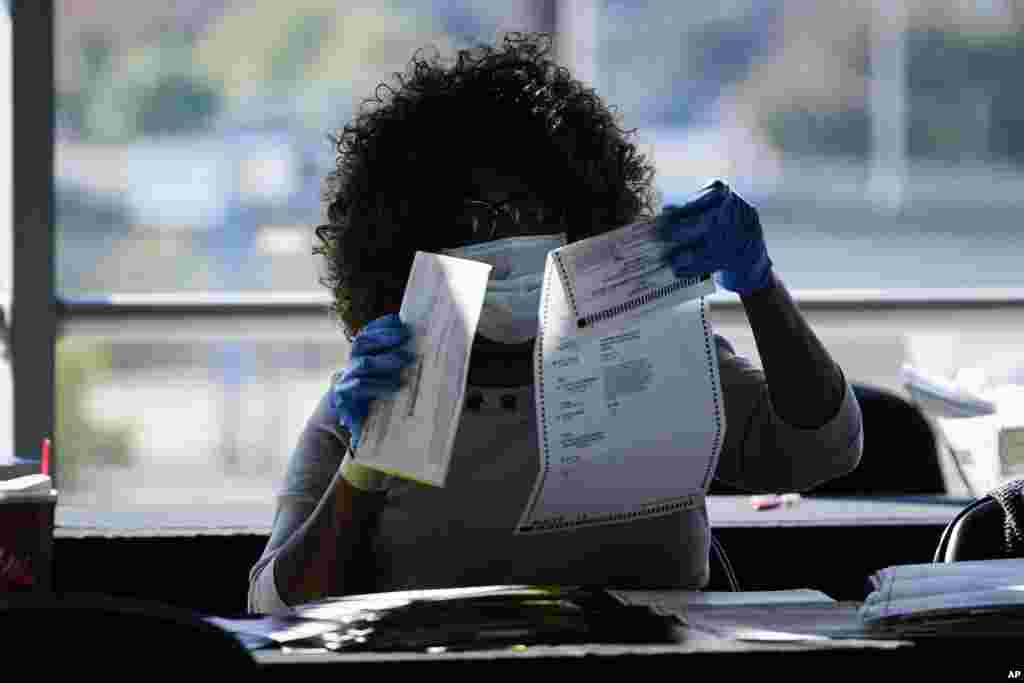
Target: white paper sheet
411,434
629,407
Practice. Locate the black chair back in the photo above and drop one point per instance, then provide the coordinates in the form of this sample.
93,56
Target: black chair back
991,527
900,456
901,451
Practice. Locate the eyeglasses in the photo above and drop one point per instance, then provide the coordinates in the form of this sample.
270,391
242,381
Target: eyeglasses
482,221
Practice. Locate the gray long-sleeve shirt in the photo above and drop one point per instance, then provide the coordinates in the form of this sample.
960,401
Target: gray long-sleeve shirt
462,534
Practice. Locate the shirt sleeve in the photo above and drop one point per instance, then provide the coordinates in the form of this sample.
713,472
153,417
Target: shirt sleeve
761,452
311,468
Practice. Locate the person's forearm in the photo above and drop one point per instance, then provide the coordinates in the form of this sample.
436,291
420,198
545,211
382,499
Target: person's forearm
805,385
317,560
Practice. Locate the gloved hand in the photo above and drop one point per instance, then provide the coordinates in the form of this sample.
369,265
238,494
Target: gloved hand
374,371
717,232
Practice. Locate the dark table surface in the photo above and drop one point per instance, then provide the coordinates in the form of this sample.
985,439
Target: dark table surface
802,630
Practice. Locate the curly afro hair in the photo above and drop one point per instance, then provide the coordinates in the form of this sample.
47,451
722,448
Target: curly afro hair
404,165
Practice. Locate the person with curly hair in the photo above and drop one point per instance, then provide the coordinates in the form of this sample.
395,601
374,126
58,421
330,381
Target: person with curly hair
498,146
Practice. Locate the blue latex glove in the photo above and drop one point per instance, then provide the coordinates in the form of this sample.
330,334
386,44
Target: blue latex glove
717,232
374,371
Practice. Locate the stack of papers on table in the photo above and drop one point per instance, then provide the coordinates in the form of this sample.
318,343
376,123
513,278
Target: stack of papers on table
467,618
983,597
479,617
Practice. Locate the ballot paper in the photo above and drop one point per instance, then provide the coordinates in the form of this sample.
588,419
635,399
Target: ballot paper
411,434
629,404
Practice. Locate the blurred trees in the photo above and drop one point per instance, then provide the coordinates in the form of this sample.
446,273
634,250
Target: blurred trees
156,70
152,91
965,99
809,94
79,438
667,63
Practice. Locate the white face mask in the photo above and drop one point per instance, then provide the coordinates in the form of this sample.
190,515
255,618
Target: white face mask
511,304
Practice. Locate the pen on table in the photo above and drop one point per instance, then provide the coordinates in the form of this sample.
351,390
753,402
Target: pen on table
772,501
767,502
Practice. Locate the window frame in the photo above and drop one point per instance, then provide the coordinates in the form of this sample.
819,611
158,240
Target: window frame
34,316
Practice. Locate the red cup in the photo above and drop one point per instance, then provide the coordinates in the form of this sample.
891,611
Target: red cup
26,543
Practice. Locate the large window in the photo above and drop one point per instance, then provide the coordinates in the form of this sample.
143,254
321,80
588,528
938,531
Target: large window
883,145
191,142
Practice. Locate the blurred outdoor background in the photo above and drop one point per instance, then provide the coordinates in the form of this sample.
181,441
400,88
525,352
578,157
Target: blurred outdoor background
882,142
